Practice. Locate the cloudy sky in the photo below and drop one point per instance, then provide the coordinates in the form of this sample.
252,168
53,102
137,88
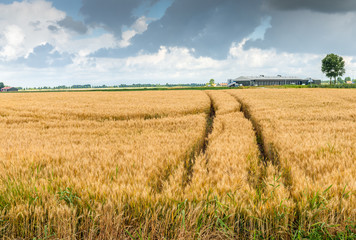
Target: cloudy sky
65,42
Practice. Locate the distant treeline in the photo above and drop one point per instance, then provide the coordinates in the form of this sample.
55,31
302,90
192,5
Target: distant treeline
334,86
119,86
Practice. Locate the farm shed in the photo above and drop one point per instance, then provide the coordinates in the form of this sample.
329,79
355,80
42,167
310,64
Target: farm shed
9,89
274,80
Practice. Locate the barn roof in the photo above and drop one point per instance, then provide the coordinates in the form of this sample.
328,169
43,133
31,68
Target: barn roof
263,77
7,87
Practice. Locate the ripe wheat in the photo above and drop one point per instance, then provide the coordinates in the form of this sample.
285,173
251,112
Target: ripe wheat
309,135
256,163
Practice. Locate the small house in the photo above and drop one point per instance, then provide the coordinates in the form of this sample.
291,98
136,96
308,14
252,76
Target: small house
9,89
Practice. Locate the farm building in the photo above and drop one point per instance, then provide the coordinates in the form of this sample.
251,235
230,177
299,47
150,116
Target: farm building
274,80
9,89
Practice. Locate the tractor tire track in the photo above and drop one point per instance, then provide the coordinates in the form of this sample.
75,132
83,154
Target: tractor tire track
190,161
268,151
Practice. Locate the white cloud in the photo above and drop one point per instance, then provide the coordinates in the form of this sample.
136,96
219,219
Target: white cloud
177,64
85,46
259,32
28,24
268,61
13,38
139,27
174,65
24,25
126,37
162,64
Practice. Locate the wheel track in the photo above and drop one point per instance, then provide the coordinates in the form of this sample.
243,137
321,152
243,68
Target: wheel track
190,162
188,159
268,152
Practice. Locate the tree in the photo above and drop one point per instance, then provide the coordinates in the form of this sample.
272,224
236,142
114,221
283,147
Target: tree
211,82
340,80
333,66
347,79
2,85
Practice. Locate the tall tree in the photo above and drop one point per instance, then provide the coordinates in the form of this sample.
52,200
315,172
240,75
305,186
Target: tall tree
2,85
333,66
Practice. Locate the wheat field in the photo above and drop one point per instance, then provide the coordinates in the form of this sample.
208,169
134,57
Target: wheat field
228,164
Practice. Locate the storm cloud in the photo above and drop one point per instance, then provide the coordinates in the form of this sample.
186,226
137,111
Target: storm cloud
304,31
327,6
76,26
44,56
207,26
112,14
210,26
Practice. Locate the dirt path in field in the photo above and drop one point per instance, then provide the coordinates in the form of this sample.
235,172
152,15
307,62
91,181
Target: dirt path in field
268,153
256,128
189,159
190,162
209,123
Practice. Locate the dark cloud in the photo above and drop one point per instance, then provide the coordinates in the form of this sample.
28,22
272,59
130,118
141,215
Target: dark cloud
36,25
309,32
53,28
208,26
43,56
328,6
112,14
211,26
76,26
